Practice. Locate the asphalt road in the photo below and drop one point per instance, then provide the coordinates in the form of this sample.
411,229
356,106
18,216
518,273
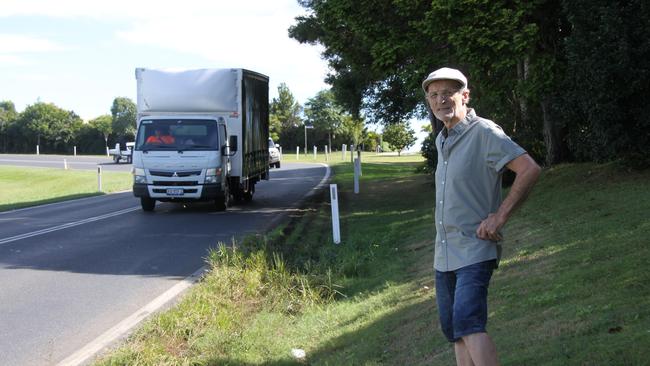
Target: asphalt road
56,161
70,271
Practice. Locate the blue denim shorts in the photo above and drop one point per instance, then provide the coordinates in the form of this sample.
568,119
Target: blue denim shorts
462,299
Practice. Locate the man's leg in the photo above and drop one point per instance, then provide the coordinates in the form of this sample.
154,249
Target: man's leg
481,349
470,315
463,357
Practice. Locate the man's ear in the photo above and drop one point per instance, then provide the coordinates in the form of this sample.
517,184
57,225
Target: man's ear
465,95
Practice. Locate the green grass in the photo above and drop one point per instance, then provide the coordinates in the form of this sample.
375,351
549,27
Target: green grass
24,187
572,289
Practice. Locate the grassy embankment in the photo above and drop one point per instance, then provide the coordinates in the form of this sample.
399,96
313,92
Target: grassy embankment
24,187
573,287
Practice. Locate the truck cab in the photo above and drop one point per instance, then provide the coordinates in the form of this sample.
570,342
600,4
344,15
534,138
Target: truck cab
181,159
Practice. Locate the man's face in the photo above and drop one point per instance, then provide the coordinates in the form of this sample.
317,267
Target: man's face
446,101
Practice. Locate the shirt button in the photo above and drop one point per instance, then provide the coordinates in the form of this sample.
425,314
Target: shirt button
441,202
443,242
445,163
440,222
443,182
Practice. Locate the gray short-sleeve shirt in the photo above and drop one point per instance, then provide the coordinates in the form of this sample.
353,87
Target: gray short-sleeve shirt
471,159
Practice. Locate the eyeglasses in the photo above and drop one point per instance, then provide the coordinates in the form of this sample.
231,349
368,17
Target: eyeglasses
444,94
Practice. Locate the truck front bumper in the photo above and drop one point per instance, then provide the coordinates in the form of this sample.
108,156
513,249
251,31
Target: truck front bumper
202,192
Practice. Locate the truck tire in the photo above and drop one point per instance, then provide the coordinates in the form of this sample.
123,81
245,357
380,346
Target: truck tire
116,159
222,203
147,203
247,196
277,165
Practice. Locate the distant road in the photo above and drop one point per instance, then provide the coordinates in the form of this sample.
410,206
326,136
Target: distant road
80,162
71,271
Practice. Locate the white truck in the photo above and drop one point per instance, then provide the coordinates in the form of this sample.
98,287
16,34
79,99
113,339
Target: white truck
202,135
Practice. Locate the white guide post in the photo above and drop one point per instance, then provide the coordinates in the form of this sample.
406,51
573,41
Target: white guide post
74,149
315,150
65,164
99,178
297,153
356,175
336,228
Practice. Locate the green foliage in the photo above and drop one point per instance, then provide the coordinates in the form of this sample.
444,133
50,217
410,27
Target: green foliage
103,124
124,114
8,116
608,78
324,114
399,136
284,118
48,126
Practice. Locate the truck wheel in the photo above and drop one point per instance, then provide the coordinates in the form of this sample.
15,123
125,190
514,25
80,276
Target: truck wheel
116,159
129,160
277,165
248,195
147,203
222,203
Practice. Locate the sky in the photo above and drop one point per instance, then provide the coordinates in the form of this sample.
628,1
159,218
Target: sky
82,54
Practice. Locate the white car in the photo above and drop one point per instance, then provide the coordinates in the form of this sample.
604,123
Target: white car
274,154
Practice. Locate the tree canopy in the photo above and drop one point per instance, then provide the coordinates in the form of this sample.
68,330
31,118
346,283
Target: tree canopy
124,114
525,60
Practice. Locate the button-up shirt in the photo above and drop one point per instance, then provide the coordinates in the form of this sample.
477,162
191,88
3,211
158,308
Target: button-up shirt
471,158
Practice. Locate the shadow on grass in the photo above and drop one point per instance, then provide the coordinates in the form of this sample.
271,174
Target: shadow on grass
25,204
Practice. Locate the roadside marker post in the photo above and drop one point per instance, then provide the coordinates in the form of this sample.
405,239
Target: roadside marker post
327,154
74,149
359,162
315,150
297,153
99,178
336,228
344,150
37,151
356,176
107,154
65,164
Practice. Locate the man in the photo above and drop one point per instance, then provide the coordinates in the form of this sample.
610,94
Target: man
159,138
472,155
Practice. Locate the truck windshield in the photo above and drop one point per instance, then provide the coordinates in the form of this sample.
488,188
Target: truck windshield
177,134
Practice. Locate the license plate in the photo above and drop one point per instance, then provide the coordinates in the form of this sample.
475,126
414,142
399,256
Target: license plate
175,191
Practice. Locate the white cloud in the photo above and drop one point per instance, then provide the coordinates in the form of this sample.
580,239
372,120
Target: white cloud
15,43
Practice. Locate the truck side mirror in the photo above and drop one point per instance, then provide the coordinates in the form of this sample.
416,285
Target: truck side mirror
233,143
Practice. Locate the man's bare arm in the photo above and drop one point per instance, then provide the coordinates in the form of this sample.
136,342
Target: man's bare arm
527,172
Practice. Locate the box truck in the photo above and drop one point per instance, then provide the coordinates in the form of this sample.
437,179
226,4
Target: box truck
202,135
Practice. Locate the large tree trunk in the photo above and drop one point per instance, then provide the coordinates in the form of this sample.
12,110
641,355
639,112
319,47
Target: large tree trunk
554,138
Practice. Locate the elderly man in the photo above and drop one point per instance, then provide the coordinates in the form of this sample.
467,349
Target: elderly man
473,152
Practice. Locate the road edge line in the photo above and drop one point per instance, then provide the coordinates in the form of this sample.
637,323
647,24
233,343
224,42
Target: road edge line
125,326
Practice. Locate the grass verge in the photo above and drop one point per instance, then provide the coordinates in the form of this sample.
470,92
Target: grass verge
24,187
572,287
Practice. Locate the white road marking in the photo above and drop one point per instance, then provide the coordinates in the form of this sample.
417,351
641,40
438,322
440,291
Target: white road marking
113,334
108,337
65,226
58,162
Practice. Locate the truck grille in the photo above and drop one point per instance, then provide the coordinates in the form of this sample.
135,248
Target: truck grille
175,183
163,190
160,173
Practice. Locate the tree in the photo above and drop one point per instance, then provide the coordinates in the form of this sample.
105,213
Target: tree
50,125
124,116
352,130
324,114
380,50
104,125
284,117
7,117
399,136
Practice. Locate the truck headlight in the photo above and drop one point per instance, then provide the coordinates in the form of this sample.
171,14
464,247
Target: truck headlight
212,175
139,176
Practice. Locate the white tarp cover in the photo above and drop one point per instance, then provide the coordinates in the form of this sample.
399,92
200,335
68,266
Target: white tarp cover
203,90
